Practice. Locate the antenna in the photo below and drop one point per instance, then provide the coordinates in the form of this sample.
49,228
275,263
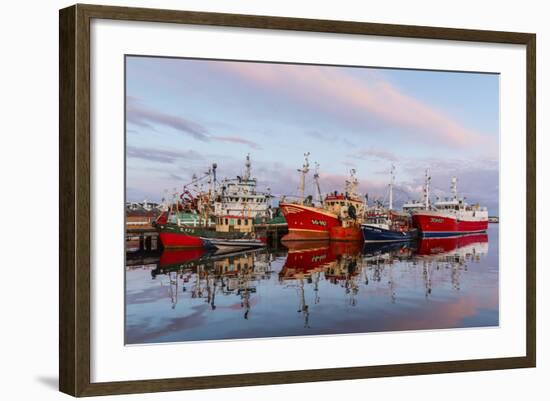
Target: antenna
427,189
351,183
210,183
316,178
304,171
454,180
392,178
247,165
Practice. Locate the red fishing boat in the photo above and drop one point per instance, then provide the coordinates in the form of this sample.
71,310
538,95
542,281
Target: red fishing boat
449,217
337,217
181,225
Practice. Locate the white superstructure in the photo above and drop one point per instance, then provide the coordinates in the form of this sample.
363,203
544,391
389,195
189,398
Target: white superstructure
239,197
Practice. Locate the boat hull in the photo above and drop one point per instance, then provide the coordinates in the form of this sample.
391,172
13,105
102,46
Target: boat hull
308,222
377,234
339,233
433,224
218,242
179,239
173,236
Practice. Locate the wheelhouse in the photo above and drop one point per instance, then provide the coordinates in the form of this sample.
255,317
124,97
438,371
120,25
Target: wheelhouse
233,223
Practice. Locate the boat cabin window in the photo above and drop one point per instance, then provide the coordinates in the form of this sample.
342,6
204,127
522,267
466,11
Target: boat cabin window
238,222
226,222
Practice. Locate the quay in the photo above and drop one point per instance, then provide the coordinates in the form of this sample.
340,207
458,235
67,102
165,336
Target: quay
274,232
146,237
143,239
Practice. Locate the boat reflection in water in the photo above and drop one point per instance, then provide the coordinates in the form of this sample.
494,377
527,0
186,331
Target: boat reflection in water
314,287
203,273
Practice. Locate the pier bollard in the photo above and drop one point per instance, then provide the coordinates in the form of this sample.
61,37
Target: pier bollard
141,242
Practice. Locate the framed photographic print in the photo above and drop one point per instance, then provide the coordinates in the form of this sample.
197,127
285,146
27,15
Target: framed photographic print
238,188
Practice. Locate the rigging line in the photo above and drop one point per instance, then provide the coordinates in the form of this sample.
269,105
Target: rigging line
196,180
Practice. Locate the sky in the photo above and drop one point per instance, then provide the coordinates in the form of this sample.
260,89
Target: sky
182,115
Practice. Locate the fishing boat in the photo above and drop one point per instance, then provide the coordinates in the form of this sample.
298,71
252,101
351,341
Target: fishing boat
182,219
174,236
305,220
335,217
217,217
388,225
227,230
449,217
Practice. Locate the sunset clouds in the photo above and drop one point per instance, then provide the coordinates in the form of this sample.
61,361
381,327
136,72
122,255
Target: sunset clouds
236,139
139,115
182,115
335,92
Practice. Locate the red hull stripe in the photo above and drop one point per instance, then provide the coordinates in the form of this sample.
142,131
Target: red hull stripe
435,224
179,240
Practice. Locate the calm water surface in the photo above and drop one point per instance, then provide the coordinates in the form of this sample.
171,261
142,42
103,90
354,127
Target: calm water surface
314,288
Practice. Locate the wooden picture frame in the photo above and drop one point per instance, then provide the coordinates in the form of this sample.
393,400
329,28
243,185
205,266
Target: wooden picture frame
75,206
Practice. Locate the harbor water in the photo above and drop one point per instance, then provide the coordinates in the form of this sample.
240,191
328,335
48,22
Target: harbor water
313,288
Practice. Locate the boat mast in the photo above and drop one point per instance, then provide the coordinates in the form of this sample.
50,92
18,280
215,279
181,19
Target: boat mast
303,171
214,167
351,184
210,183
427,189
316,178
392,178
453,188
247,171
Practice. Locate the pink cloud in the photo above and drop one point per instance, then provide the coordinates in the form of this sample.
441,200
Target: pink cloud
139,115
237,139
374,153
315,85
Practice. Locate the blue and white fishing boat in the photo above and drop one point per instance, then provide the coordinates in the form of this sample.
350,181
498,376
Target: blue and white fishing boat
384,232
387,225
